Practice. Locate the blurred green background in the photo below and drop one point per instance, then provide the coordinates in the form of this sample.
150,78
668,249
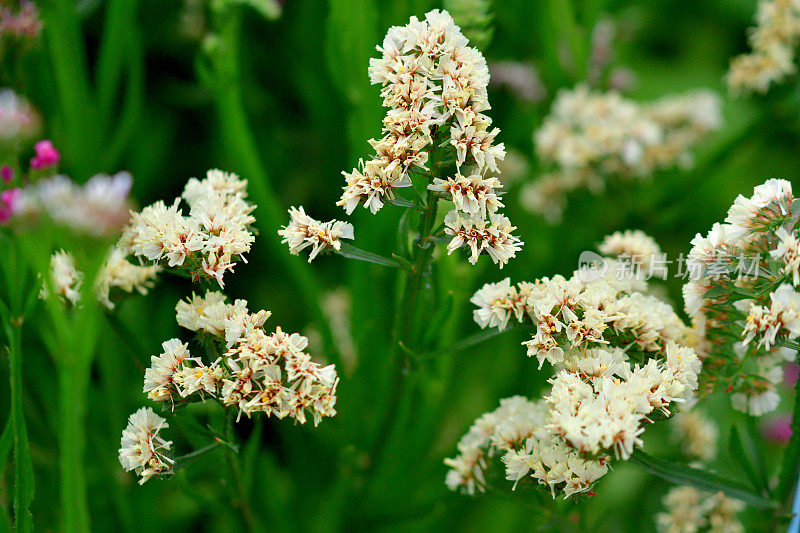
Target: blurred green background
303,82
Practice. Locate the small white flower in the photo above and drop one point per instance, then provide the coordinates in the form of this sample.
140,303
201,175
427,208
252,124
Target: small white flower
142,448
788,251
303,231
491,236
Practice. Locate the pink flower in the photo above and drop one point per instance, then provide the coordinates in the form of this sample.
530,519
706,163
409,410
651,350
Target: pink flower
7,173
8,200
46,155
778,429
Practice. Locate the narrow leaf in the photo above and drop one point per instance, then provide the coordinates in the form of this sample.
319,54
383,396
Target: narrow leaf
701,479
473,340
738,454
351,252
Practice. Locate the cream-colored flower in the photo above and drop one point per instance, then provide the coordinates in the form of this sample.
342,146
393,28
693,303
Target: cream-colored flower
142,449
493,236
303,231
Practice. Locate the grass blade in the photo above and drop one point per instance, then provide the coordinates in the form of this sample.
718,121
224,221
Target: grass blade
701,479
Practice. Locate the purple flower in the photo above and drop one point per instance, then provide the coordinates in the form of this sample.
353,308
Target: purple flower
7,173
46,155
8,200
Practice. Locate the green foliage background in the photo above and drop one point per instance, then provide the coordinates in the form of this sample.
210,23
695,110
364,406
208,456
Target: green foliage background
153,102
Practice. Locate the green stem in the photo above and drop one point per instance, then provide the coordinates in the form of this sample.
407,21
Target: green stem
405,320
23,472
241,146
233,466
73,380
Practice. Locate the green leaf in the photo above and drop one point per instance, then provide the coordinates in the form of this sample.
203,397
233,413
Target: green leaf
716,291
701,479
442,316
401,202
6,443
737,452
269,9
472,340
351,252
250,455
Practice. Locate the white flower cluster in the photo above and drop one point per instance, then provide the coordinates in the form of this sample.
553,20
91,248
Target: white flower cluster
206,243
634,246
257,371
303,231
580,312
17,118
696,433
429,76
116,273
142,449
517,429
492,236
589,136
773,40
620,356
692,511
600,401
99,207
748,267
434,86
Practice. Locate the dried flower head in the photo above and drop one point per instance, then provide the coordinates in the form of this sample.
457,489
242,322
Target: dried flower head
208,241
303,231
142,449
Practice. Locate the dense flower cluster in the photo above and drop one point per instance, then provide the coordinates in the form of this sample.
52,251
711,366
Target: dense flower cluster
434,86
774,41
206,243
589,136
116,273
692,511
620,357
142,449
743,282
517,429
256,371
303,231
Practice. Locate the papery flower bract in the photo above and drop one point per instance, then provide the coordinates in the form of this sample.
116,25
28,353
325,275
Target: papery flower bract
159,378
492,236
142,449
304,231
473,195
209,240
